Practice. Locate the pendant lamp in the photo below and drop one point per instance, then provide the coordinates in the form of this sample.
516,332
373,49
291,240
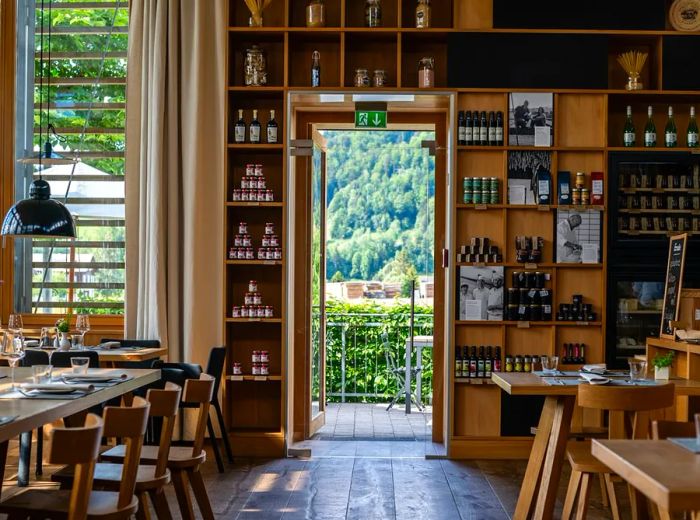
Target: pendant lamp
40,215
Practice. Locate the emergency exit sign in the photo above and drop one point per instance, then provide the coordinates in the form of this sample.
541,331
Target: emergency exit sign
370,119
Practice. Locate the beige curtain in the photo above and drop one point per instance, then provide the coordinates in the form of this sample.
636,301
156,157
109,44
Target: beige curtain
174,174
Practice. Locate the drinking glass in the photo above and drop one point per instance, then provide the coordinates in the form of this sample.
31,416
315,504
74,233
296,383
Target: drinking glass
42,374
638,370
13,350
82,325
80,364
77,342
697,428
550,363
14,324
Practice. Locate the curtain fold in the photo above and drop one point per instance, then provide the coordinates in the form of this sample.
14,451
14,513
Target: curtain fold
175,133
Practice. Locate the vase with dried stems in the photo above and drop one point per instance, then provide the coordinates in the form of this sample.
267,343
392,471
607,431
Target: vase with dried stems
633,62
256,8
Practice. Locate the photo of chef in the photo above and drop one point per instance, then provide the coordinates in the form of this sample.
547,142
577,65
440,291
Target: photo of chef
578,236
480,292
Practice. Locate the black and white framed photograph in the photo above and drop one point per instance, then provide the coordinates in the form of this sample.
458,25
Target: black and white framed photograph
524,168
480,293
530,119
578,236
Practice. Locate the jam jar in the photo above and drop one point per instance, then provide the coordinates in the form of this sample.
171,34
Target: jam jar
373,13
426,73
361,78
315,14
423,14
255,67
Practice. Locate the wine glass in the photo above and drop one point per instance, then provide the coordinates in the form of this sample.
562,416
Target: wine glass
82,325
15,325
13,350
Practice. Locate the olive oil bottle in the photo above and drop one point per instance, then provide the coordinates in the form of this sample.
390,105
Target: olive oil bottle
692,134
670,133
239,129
650,129
254,129
629,136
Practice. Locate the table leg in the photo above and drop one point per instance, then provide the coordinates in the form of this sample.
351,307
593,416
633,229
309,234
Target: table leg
419,378
556,447
3,461
25,454
638,504
528,490
407,383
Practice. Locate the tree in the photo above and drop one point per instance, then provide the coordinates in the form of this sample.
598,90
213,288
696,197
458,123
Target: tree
337,277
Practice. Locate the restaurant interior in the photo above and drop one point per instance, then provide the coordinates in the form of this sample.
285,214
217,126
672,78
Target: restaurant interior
176,340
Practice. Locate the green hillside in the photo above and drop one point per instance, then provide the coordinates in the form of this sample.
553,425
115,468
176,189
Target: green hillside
381,198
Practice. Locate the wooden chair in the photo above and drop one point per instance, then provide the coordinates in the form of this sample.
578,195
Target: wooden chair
635,402
76,446
661,430
150,480
183,461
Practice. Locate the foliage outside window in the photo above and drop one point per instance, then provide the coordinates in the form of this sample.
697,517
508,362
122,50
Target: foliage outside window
86,104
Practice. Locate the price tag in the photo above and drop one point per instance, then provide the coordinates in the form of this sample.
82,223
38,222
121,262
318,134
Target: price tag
543,207
480,207
631,233
235,378
269,262
254,319
530,266
479,264
253,204
523,324
260,378
582,323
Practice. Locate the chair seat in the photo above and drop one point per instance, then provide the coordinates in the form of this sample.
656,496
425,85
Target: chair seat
580,458
108,477
586,432
179,457
54,503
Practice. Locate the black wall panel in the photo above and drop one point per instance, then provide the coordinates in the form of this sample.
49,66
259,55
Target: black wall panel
680,63
492,60
591,14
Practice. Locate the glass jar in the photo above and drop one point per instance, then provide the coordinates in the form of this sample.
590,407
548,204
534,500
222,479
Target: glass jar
423,14
315,14
379,78
255,67
361,78
373,13
426,73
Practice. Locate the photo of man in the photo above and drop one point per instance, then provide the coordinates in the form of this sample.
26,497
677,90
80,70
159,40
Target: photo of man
530,119
480,293
578,236
568,247
495,299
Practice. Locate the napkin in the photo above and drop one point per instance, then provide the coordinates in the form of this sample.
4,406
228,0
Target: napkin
109,345
56,386
103,376
599,368
594,379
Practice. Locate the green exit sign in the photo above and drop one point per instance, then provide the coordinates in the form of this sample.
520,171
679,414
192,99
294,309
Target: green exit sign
370,119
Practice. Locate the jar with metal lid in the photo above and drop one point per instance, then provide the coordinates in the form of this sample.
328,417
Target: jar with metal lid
423,14
255,67
426,72
580,179
585,197
379,78
509,363
518,364
361,78
373,13
315,14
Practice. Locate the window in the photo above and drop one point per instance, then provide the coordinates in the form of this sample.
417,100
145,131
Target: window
86,60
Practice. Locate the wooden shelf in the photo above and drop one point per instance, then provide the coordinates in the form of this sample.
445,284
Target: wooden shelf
659,211
254,262
655,149
473,381
253,320
661,191
255,204
257,379
471,148
255,147
528,324
531,207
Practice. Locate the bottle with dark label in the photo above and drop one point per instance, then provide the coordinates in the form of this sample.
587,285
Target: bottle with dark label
497,367
461,129
476,128
488,364
692,134
670,133
492,128
499,128
581,353
239,129
483,130
458,362
473,361
254,128
468,129
465,362
650,129
629,135
316,69
272,128
481,363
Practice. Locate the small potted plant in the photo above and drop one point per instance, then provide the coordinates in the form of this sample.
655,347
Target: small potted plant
62,326
662,365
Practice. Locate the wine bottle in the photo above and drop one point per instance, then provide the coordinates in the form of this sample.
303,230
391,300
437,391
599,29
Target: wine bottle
461,129
468,129
481,363
255,129
492,128
316,69
458,362
499,128
476,128
473,361
465,362
272,128
692,130
488,364
629,137
483,130
650,129
239,129
670,133
497,367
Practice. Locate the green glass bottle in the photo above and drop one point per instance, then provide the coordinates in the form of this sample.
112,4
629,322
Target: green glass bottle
650,129
692,133
629,136
670,133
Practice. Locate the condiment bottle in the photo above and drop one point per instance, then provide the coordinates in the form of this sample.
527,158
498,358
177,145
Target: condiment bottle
423,14
316,69
315,14
373,13
426,73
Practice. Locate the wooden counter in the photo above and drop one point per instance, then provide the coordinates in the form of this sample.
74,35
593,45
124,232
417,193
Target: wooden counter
686,365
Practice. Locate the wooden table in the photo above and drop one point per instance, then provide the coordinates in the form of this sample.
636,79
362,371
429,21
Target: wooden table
108,357
665,473
539,488
33,413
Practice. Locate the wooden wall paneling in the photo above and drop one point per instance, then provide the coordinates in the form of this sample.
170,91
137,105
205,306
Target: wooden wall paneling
531,222
473,14
301,48
416,45
587,281
477,410
532,339
371,50
579,120
297,13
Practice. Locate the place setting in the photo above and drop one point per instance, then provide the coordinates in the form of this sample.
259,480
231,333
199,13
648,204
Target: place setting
593,374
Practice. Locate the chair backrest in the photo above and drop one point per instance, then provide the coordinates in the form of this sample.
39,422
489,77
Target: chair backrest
199,391
388,352
129,424
127,343
34,357
664,429
635,401
215,365
78,447
62,359
164,404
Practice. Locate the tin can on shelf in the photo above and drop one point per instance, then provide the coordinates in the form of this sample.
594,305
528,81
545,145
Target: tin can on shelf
477,198
510,366
264,356
248,299
493,183
244,311
494,197
240,253
256,356
255,369
257,299
468,184
266,241
236,195
580,180
278,253
585,197
576,196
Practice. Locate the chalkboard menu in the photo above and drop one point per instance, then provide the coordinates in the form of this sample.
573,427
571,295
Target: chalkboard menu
672,288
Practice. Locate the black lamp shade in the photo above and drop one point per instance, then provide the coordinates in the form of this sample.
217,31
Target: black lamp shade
39,215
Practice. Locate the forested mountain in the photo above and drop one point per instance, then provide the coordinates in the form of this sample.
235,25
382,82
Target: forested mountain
381,198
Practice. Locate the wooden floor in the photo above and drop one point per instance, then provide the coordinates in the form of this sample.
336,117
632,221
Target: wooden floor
364,480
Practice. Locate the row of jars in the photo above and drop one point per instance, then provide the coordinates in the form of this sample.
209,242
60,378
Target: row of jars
248,253
248,195
316,13
252,311
247,241
257,369
668,201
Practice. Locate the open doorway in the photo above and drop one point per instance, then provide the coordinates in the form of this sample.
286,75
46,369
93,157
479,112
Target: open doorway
369,230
